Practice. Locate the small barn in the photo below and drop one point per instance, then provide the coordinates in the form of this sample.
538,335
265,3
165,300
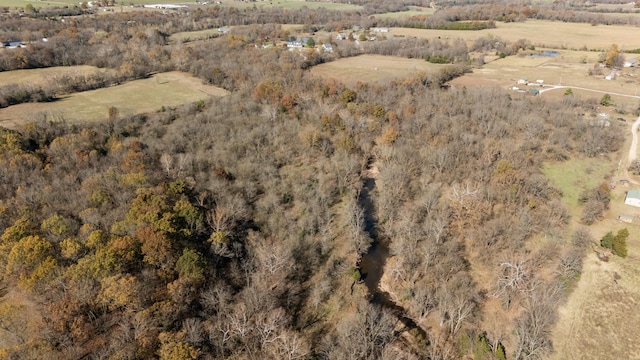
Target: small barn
633,198
625,218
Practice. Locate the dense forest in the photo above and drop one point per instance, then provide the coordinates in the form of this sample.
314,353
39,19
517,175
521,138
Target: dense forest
235,227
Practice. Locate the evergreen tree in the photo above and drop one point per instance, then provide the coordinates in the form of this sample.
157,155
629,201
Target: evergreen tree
607,240
619,243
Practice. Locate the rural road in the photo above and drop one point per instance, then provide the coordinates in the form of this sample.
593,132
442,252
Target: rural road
555,87
633,150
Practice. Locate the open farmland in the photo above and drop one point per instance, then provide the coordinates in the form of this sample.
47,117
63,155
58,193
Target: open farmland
415,11
293,5
42,76
570,68
574,35
135,97
71,3
372,68
287,4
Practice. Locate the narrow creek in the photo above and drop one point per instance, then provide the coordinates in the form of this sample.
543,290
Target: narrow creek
372,263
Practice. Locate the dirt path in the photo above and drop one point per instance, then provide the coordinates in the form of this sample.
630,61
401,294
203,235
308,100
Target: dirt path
556,87
633,150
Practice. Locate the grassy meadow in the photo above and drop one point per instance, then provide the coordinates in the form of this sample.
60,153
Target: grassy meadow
599,320
372,68
135,97
574,176
414,11
44,75
539,33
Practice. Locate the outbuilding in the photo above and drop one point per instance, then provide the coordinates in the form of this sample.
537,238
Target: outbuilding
633,198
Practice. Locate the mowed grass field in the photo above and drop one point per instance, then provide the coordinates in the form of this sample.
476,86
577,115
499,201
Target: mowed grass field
574,176
44,75
543,33
135,97
372,68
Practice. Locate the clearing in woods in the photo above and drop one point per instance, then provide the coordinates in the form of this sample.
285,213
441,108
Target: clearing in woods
43,76
372,68
135,97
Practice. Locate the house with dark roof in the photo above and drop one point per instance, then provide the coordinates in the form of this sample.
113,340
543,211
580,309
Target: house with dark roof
13,44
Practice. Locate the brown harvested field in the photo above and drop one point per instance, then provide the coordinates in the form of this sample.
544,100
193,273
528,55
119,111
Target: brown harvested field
135,97
42,76
372,68
543,33
570,68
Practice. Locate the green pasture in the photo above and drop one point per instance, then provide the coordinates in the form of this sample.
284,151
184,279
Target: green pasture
574,176
135,97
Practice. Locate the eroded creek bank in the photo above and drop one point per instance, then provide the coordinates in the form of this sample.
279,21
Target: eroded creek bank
372,263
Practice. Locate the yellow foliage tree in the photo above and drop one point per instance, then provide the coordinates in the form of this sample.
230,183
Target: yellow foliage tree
173,347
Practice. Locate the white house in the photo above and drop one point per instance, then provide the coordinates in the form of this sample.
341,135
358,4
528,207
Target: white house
630,63
327,47
380,29
633,198
165,6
